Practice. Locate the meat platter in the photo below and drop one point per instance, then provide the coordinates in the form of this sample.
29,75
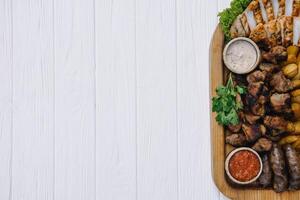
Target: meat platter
255,91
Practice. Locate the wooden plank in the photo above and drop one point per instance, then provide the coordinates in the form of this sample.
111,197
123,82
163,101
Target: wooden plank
5,97
74,100
193,94
156,100
217,136
33,90
116,100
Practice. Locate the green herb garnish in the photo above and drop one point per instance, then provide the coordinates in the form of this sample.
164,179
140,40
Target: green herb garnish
225,104
228,15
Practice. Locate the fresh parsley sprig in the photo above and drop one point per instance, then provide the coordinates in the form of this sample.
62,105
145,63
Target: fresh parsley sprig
225,104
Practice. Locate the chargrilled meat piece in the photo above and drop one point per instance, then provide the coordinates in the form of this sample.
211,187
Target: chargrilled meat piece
280,83
281,9
245,24
272,137
240,80
254,6
296,8
262,99
237,29
293,163
277,160
255,89
258,109
236,139
286,26
265,178
249,101
280,102
256,76
276,122
260,36
252,132
252,119
275,55
262,145
235,128
269,9
288,31
280,53
273,33
268,57
269,68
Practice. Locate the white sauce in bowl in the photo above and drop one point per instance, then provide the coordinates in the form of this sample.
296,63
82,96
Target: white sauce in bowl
241,56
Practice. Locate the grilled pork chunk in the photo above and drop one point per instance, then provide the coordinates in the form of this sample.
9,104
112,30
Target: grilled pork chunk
252,132
275,122
275,5
235,128
236,140
273,33
255,89
281,9
245,24
255,8
280,83
280,102
256,76
260,36
269,68
251,119
269,9
258,109
296,8
263,11
262,145
237,29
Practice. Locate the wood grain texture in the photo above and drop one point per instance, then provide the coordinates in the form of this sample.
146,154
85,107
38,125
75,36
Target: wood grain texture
105,99
193,124
6,61
33,81
218,137
74,100
116,100
157,177
222,4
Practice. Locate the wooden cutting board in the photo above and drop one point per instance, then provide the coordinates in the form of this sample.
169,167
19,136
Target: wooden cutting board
219,150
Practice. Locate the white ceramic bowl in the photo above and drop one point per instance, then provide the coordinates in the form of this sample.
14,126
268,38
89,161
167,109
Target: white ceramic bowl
237,71
227,165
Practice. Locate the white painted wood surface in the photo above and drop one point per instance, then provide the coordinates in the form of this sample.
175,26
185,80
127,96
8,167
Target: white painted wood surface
105,99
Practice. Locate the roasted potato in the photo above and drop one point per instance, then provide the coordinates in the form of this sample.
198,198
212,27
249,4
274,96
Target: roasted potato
296,110
290,70
292,54
289,139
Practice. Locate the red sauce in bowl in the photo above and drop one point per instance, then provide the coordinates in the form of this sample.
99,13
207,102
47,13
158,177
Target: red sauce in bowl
244,166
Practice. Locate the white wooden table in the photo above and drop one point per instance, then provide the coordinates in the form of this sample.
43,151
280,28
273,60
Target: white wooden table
105,99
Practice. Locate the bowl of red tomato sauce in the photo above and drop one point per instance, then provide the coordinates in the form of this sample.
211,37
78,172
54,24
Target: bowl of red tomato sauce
243,166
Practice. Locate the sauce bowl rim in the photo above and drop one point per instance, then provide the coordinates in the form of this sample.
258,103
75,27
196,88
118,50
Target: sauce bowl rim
258,55
233,153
